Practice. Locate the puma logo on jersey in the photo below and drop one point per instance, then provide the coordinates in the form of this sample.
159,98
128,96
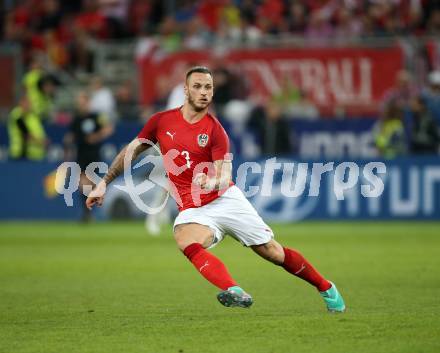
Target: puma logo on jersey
171,135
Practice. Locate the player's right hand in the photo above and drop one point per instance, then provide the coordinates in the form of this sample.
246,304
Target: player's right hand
96,196
205,182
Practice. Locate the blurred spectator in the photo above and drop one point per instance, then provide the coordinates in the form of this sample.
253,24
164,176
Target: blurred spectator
162,96
318,28
425,137
139,11
194,24
186,11
288,94
210,11
27,138
270,16
115,12
70,6
294,102
402,92
56,52
433,25
230,22
18,23
377,14
171,38
47,87
30,82
176,98
389,132
40,89
91,20
250,33
303,108
317,19
50,16
195,35
224,88
248,11
146,44
126,103
271,128
86,133
230,14
81,52
431,96
102,100
348,26
296,19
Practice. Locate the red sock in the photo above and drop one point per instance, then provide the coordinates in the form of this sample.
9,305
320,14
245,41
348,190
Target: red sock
297,265
209,266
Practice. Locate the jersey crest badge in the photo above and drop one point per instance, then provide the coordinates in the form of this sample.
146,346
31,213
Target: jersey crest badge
202,140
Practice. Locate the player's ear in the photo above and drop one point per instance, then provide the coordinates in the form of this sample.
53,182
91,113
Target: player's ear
185,89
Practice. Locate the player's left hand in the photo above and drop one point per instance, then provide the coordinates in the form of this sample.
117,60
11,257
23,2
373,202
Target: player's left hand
96,196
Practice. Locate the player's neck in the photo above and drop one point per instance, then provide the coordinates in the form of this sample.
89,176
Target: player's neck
191,116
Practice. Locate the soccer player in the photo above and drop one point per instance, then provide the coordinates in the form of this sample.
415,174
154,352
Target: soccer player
195,149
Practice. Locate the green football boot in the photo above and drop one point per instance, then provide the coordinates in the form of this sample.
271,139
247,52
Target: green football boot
333,299
235,296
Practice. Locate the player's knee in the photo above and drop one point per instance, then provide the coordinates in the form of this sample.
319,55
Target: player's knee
185,235
182,241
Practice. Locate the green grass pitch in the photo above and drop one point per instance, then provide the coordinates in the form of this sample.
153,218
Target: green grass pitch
69,288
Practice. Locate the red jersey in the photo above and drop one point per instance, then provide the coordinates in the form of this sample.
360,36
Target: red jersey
187,149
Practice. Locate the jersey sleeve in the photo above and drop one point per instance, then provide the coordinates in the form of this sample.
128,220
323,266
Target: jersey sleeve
220,144
149,131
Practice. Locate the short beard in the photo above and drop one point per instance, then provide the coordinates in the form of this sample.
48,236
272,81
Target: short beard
194,106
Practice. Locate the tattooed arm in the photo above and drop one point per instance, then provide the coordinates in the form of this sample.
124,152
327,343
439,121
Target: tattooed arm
96,196
117,166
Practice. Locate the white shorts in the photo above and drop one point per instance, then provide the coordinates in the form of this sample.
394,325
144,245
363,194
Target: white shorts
230,214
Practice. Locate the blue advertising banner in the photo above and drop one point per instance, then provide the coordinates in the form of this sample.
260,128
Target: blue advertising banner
27,191
410,190
282,190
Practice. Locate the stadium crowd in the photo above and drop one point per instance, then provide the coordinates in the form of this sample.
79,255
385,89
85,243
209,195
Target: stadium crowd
60,36
67,29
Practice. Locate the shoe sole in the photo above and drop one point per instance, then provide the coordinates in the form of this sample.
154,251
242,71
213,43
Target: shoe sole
231,299
333,311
